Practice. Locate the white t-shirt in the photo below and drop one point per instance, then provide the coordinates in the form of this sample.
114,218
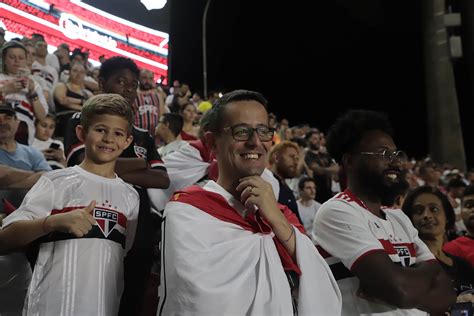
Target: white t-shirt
44,144
347,231
79,276
307,214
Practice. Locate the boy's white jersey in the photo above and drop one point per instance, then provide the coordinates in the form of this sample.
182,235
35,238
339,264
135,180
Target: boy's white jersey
79,276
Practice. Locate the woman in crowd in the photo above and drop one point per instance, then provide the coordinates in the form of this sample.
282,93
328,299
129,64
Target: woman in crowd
20,91
190,131
433,216
69,96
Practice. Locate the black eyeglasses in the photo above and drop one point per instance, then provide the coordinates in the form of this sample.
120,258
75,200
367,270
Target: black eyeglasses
244,133
391,156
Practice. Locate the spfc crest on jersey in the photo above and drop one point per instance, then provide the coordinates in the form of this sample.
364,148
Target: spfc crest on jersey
106,220
404,254
140,151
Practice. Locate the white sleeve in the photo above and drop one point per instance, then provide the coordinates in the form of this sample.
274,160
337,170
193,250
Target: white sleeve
41,97
343,232
37,203
132,224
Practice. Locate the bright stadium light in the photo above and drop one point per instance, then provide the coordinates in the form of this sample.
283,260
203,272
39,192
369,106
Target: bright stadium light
153,4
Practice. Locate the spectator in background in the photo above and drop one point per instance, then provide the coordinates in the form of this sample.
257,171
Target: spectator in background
283,161
322,166
2,36
52,149
433,217
47,88
70,96
41,67
167,131
51,59
307,206
463,246
14,154
149,105
455,191
429,175
190,130
15,271
20,91
63,53
381,264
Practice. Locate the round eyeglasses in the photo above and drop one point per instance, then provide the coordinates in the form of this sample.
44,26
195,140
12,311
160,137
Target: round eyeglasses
391,156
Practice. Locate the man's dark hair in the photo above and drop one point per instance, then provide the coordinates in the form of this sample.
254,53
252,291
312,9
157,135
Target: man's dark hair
117,63
456,183
175,122
309,134
303,180
348,130
469,190
216,118
300,141
448,208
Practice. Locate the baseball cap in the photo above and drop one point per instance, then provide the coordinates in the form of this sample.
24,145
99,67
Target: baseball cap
7,108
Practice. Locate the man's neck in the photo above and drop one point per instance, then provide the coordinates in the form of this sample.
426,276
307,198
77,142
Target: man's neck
372,202
41,60
106,170
305,202
8,145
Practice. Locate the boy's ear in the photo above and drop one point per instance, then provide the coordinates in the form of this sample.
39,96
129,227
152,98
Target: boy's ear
81,133
129,141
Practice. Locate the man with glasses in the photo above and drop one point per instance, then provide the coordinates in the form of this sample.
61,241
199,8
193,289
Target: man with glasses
226,246
381,265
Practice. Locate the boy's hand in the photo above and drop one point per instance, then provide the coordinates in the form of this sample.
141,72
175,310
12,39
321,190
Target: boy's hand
78,222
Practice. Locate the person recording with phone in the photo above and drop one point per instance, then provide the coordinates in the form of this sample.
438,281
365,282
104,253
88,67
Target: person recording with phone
20,91
52,149
228,247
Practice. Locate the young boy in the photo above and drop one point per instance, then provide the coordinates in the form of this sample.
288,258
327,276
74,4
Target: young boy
85,215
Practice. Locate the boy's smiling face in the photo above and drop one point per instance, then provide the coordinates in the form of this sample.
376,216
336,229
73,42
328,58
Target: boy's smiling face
106,138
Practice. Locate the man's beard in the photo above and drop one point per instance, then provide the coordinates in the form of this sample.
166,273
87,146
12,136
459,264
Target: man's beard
313,146
145,86
376,185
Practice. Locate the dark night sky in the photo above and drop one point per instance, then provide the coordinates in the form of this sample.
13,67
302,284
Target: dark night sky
341,54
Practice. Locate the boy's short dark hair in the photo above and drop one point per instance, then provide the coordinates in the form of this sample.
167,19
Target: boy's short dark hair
106,103
175,122
49,115
349,129
114,64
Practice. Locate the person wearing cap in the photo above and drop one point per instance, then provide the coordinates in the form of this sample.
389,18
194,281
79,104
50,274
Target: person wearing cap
12,153
20,91
15,271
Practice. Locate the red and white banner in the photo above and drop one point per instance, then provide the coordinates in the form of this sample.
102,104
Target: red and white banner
83,26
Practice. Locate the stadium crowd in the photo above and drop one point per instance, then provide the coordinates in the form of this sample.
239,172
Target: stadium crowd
347,194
